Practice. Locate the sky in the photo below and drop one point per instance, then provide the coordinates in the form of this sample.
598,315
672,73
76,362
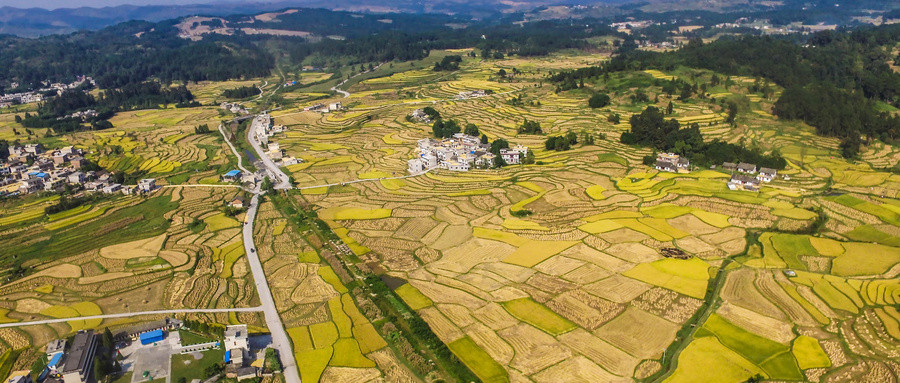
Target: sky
53,4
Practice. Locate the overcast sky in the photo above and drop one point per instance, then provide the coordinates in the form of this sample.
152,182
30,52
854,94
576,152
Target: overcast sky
53,4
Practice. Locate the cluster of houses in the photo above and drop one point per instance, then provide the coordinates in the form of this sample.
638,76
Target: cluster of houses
421,116
273,149
72,362
472,94
235,108
82,115
746,176
7,100
322,108
459,153
30,169
671,162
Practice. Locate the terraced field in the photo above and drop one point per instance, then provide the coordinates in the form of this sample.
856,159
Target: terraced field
124,254
583,276
547,272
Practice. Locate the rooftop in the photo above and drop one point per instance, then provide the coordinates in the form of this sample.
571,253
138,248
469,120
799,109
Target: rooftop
81,351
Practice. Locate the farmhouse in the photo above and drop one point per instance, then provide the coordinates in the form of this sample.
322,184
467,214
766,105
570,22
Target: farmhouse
315,108
147,185
744,167
670,162
238,202
333,107
31,185
56,346
34,148
419,115
743,182
767,174
510,156
112,188
232,176
472,94
236,345
729,166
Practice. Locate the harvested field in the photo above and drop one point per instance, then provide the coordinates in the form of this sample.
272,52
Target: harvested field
628,331
539,316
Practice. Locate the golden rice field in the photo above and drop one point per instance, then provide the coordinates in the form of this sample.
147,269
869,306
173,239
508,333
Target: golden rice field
588,262
565,293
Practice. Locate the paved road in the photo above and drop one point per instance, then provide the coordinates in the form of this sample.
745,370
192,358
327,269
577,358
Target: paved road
273,321
233,149
282,182
125,315
346,93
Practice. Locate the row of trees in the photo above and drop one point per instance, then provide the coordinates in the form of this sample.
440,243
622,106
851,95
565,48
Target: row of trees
448,63
55,112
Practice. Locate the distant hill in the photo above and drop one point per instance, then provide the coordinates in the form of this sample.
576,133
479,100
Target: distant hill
35,22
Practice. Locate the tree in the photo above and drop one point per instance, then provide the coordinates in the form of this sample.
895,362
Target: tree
497,145
614,118
732,112
108,339
598,100
850,146
484,138
558,143
202,129
670,108
448,63
99,371
529,158
530,127
502,73
472,130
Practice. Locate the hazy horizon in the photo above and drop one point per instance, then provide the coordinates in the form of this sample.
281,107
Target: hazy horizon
56,4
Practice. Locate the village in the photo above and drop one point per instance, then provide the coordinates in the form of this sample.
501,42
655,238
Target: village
744,176
272,149
460,153
10,99
148,351
30,169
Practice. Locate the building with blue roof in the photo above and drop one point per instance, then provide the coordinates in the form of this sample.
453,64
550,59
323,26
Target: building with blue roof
54,363
152,337
232,176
